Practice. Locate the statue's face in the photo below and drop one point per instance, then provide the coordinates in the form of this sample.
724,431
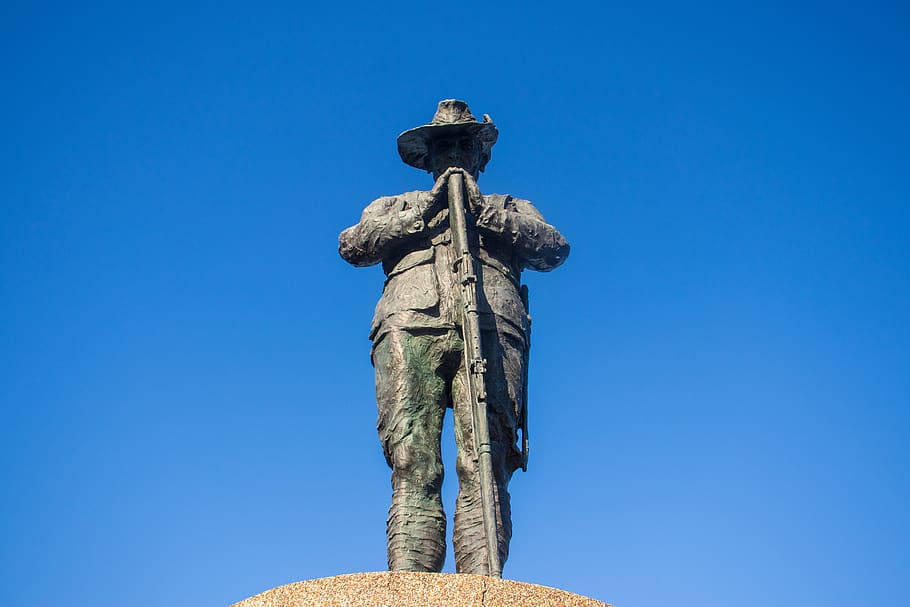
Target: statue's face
456,151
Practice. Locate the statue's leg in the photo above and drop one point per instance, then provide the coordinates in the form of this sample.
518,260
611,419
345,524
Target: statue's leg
411,400
504,379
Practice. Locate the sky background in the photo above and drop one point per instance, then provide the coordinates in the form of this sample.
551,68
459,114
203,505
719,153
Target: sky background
720,375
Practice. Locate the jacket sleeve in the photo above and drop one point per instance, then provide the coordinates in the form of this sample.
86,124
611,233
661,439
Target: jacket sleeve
385,224
537,244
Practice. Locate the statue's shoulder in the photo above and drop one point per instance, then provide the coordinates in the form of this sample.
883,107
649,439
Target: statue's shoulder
409,197
413,196
499,200
507,201
397,202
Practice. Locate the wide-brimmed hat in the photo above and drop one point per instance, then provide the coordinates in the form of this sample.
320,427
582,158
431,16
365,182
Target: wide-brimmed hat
452,117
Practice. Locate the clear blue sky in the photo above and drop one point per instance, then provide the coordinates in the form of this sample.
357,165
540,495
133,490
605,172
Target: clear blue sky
720,376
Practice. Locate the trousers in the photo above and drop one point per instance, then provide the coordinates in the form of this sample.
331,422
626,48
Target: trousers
419,374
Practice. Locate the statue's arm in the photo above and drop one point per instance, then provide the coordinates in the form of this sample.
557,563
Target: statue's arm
386,223
537,243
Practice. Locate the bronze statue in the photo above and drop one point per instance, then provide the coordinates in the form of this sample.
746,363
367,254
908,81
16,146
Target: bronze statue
452,330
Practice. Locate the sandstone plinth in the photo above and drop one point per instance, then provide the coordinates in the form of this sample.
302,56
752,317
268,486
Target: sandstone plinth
406,589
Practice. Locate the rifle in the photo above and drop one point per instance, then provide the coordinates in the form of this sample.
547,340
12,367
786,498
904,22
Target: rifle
523,420
475,366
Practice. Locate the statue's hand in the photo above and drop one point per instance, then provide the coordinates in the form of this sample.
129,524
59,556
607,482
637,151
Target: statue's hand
476,202
430,205
436,194
475,198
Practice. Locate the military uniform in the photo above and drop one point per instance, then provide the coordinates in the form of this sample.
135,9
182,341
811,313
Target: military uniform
419,363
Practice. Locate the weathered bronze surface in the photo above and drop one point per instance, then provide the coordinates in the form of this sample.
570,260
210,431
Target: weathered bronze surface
452,329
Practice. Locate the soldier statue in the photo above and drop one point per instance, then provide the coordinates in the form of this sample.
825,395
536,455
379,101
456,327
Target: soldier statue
419,340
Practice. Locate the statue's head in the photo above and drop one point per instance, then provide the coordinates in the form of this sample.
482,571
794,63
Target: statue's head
453,138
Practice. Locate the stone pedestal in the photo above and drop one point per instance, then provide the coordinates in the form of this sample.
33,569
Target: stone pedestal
406,589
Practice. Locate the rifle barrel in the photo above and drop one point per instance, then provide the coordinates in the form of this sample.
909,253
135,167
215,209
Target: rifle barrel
475,368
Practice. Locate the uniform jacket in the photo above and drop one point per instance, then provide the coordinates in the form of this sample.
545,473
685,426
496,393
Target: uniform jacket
421,289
